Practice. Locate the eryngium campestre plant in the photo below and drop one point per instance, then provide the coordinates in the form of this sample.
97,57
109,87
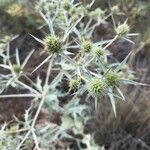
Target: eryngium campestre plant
77,60
86,46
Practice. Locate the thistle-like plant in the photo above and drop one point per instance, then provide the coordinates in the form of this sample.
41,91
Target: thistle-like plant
81,63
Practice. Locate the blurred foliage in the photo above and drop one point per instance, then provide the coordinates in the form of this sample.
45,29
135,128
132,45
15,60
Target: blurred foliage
17,16
137,12
4,3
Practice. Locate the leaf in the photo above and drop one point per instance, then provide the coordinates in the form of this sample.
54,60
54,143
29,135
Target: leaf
112,100
27,58
37,39
17,57
5,66
126,81
38,84
123,62
100,43
42,63
120,92
56,80
71,28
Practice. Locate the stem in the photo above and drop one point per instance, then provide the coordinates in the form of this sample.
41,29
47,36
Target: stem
17,131
36,141
17,96
26,136
28,87
49,70
114,39
37,112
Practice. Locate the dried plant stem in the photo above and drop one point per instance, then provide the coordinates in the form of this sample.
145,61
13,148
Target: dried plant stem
38,110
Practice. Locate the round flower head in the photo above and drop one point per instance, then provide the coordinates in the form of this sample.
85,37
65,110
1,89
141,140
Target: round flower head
73,84
53,44
86,46
17,69
112,78
73,10
96,13
66,5
99,51
122,30
97,86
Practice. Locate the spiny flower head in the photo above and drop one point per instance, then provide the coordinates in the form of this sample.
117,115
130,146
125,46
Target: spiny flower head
112,78
53,44
86,46
99,51
66,5
97,85
73,10
122,30
96,13
73,84
17,69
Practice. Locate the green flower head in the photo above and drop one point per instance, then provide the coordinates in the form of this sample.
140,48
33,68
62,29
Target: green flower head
66,5
53,44
112,78
96,13
73,11
73,84
122,30
86,46
99,51
17,69
97,86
